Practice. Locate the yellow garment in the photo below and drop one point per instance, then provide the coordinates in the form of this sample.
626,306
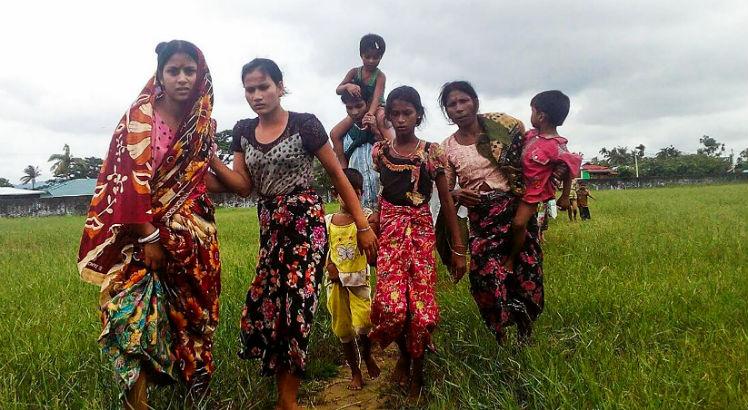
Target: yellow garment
349,311
349,300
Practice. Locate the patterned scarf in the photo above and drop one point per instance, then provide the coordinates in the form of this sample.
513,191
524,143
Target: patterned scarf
129,192
501,143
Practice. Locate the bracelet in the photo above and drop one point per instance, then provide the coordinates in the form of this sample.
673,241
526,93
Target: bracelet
359,230
152,238
458,253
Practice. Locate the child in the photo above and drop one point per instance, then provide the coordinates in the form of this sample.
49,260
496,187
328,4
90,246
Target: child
368,76
582,194
353,143
572,209
544,152
348,291
404,309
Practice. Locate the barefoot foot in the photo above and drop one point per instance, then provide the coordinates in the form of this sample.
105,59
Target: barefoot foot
357,381
372,368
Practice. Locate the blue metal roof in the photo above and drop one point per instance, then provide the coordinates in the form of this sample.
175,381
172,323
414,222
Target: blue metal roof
74,187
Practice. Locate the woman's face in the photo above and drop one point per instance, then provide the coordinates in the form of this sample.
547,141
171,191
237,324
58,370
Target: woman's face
178,77
261,92
403,116
461,108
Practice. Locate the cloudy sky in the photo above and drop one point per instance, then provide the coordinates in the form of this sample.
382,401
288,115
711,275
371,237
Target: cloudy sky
657,73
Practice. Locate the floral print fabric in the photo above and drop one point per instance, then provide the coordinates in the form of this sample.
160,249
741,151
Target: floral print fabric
503,297
405,297
165,321
279,310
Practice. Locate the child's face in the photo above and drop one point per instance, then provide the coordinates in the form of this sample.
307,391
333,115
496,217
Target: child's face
403,116
342,203
356,110
538,118
371,59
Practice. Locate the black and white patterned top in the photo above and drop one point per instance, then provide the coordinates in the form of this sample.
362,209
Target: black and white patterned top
284,165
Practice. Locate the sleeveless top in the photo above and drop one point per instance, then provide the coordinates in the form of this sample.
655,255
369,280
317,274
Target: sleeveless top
371,85
353,269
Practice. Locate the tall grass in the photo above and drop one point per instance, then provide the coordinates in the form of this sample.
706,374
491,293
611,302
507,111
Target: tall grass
646,306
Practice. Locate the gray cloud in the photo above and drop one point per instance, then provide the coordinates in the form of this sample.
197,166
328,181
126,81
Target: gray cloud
657,73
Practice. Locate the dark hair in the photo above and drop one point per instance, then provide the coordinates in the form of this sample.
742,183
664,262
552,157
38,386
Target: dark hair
407,94
165,50
266,66
355,178
349,98
373,42
554,104
463,86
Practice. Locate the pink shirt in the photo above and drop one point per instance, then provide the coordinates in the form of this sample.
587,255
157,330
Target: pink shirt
161,139
540,156
465,163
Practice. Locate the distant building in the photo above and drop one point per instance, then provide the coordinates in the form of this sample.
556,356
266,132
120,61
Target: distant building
71,188
14,193
594,171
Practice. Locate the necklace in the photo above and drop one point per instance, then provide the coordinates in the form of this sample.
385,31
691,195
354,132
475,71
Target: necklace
406,156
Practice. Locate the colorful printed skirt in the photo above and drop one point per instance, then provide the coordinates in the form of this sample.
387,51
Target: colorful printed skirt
503,297
163,322
404,302
279,310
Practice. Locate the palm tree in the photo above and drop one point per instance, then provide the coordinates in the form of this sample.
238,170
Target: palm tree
61,167
32,173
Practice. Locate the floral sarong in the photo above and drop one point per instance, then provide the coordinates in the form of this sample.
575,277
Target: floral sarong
281,302
405,297
161,321
503,297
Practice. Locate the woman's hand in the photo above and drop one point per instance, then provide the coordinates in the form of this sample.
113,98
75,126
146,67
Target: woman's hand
154,255
466,197
367,243
458,263
563,202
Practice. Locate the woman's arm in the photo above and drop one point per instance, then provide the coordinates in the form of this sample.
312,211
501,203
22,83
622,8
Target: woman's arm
236,180
213,184
378,93
336,136
367,241
459,250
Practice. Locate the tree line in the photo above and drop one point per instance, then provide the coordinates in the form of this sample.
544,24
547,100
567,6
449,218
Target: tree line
64,167
708,161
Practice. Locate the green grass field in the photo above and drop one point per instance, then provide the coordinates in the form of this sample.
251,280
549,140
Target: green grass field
646,306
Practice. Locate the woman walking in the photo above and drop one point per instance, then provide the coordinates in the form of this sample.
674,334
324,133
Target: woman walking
273,156
150,238
484,157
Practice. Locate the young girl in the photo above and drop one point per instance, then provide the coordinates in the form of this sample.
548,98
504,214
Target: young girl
348,290
543,154
371,48
273,156
404,308
353,144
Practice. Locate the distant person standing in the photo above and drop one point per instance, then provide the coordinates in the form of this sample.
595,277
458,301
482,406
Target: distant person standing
572,209
582,194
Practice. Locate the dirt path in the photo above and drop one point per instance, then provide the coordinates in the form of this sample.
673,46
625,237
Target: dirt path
374,395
